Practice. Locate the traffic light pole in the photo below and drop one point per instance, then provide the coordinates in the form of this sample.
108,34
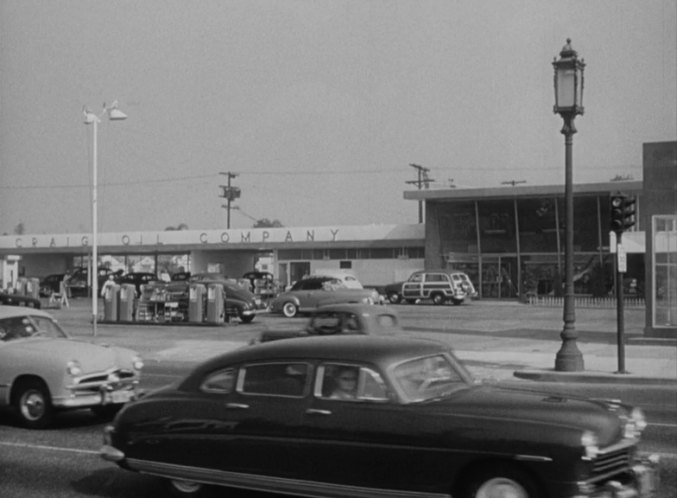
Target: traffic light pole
620,308
622,210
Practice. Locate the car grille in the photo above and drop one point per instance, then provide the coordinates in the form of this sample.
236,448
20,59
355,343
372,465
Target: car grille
111,380
613,461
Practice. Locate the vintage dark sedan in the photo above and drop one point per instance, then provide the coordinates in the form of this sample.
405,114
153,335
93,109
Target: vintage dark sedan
137,278
367,416
334,319
51,284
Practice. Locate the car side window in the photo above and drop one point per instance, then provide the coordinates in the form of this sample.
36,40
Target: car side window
326,323
17,328
339,381
436,277
427,377
418,277
386,321
47,327
274,379
220,382
352,324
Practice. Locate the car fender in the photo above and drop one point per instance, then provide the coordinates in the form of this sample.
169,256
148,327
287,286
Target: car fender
50,371
293,299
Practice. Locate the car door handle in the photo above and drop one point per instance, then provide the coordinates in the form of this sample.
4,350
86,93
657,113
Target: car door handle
315,411
237,406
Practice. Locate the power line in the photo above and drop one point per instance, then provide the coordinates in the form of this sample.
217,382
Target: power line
178,179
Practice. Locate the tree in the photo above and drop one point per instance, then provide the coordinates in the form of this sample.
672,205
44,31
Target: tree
180,226
266,223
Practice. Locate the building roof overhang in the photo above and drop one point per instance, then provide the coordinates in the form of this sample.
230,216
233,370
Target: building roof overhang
511,192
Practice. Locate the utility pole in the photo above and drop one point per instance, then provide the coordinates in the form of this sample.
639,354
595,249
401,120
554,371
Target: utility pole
422,181
230,193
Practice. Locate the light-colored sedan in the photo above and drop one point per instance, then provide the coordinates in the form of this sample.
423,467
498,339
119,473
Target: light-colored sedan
42,370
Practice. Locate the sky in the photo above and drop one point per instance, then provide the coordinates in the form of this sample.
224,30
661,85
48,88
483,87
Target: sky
319,107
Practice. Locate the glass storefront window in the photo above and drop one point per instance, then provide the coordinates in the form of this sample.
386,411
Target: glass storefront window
541,276
538,224
665,271
586,223
457,228
497,226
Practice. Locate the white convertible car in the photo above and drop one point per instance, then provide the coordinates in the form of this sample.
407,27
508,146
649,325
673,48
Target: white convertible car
42,370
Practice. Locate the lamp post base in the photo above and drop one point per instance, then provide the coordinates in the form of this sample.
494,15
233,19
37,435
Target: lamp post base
569,358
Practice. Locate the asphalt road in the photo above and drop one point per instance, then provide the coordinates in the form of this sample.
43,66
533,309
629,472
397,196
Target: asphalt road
63,461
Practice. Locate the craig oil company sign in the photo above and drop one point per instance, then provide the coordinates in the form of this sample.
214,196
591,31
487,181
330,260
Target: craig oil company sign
258,236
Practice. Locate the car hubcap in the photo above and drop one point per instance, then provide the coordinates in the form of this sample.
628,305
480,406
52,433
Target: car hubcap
186,486
32,405
501,487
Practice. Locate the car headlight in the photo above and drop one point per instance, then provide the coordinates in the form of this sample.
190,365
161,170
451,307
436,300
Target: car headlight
590,444
137,363
635,424
73,368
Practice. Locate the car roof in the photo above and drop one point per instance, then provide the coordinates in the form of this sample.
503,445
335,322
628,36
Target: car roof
349,348
355,308
332,273
14,311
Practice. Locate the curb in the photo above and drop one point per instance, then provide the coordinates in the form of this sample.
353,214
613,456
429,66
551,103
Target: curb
591,377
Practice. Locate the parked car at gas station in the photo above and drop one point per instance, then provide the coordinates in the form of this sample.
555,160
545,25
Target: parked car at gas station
439,286
263,284
309,293
78,281
137,279
51,284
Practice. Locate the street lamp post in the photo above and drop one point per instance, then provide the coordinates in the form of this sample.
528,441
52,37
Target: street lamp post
114,114
568,103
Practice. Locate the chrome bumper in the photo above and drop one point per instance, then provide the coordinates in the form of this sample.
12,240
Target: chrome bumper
255,312
645,485
102,398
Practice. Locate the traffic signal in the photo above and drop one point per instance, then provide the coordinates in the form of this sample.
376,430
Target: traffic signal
622,212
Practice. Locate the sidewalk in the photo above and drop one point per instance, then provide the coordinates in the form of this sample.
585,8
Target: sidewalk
496,340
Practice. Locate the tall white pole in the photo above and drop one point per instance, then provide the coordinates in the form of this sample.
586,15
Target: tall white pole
94,271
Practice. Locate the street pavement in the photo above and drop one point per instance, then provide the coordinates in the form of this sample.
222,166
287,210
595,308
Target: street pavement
497,340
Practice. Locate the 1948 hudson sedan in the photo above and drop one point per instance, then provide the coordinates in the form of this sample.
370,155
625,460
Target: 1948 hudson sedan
367,416
42,370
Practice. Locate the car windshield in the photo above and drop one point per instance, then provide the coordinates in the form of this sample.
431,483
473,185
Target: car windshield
428,378
23,327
